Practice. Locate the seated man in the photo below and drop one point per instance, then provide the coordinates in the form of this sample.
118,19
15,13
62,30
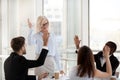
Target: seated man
100,60
99,57
16,65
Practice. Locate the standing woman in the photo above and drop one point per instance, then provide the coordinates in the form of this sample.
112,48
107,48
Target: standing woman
53,61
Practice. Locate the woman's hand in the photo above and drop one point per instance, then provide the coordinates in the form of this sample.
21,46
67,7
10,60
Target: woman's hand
29,23
77,41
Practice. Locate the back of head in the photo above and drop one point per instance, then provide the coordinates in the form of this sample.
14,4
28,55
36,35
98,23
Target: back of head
85,61
17,43
112,46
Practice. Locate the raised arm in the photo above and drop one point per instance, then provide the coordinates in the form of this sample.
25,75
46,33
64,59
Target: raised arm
77,43
31,35
41,59
30,25
106,52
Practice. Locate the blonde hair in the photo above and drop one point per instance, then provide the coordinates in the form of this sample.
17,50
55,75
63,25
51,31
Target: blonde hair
41,20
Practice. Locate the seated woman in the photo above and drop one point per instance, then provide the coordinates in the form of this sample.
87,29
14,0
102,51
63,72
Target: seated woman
85,69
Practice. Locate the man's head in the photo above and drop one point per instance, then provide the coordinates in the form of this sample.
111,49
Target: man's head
112,46
42,24
18,44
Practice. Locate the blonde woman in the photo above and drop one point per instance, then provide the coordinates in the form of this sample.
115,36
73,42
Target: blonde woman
53,61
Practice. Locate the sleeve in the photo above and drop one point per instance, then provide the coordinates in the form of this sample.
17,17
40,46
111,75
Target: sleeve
35,63
57,56
97,56
31,37
114,64
58,61
31,77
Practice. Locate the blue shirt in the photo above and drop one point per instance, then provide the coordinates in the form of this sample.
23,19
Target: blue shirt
52,48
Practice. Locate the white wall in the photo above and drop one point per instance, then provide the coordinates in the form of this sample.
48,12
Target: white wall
0,44
4,26
18,13
4,31
85,23
73,20
0,30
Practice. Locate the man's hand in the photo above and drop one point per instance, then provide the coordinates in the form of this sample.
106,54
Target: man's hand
29,23
77,41
43,75
106,51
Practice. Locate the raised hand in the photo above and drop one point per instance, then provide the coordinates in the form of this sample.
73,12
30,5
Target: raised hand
106,51
77,41
43,75
29,23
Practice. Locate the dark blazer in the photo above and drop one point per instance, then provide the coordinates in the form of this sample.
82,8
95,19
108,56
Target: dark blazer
16,66
114,62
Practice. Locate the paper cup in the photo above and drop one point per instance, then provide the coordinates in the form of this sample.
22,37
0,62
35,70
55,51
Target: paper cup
56,75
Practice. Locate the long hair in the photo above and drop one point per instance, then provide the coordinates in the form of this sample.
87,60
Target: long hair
85,61
40,22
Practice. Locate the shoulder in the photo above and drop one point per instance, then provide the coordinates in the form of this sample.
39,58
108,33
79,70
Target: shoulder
114,58
73,71
74,68
15,59
98,54
73,75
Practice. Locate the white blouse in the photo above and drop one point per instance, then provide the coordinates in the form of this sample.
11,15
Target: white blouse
36,38
73,76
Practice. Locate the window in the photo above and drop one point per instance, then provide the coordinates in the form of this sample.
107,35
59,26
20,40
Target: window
65,23
65,19
54,13
104,23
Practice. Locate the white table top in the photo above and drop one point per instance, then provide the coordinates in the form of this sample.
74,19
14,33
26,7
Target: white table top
61,78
